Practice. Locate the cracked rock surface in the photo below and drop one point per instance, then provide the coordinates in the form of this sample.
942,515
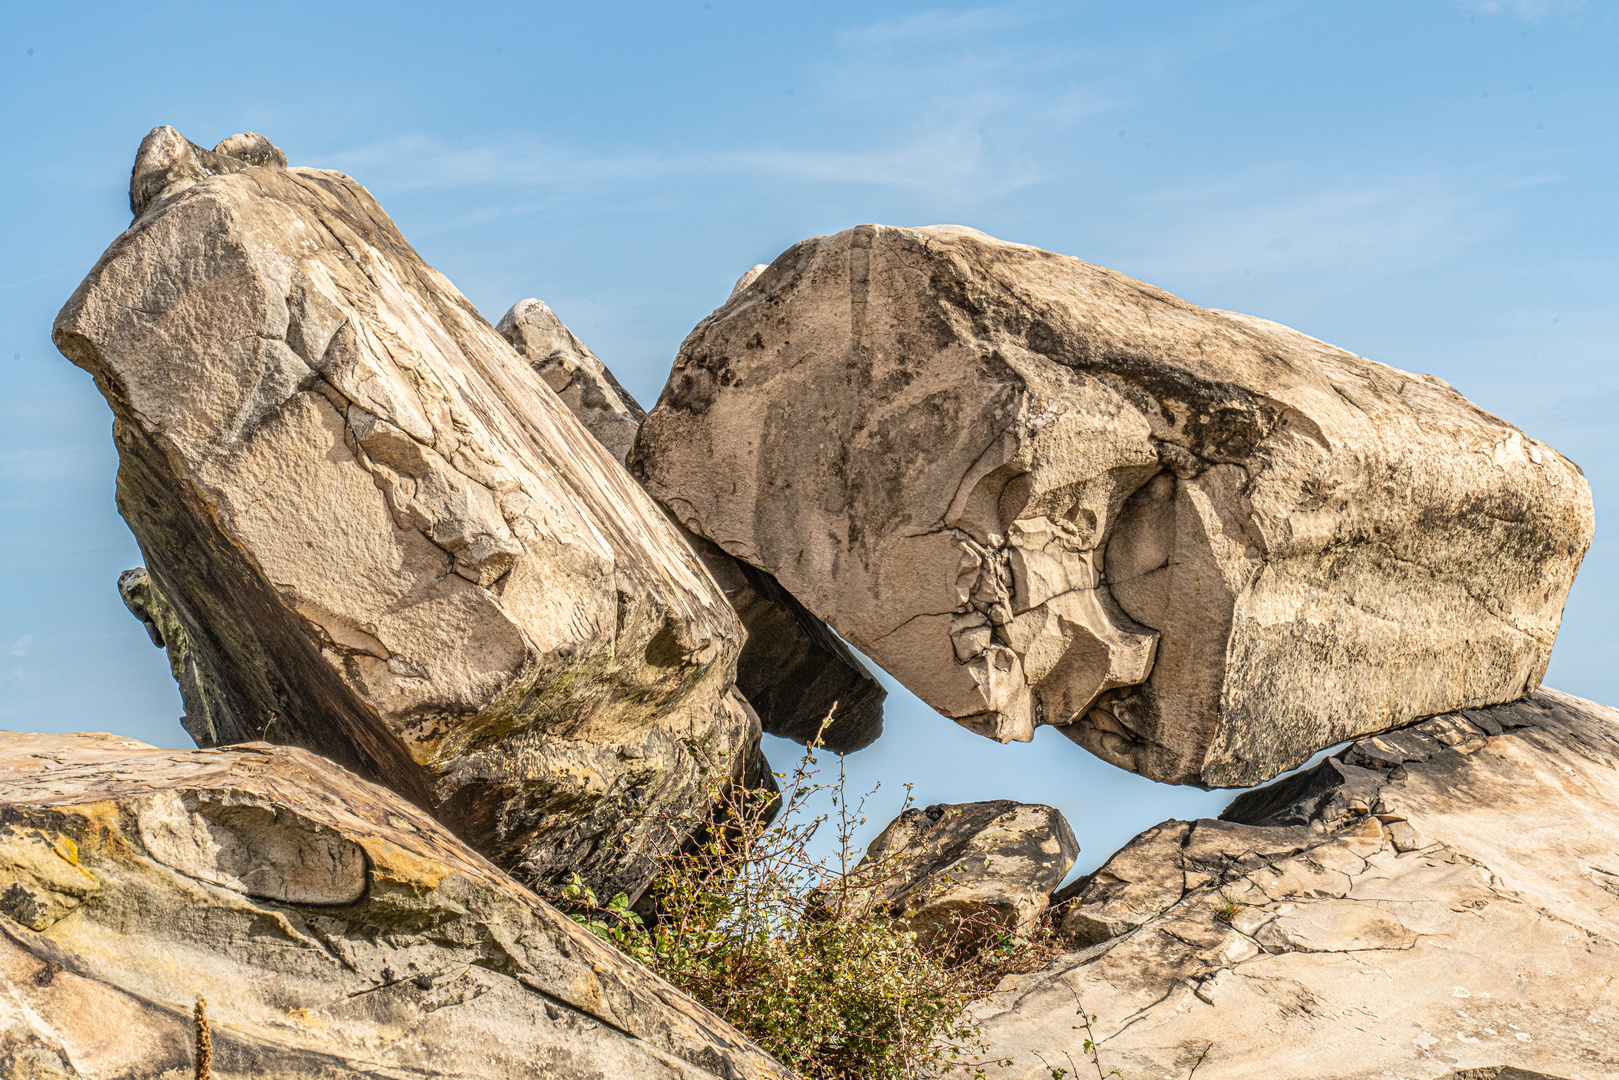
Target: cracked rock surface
382,537
1201,544
994,863
1430,902
335,929
792,667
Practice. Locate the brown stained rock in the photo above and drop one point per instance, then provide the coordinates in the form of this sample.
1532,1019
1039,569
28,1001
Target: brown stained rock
1037,491
334,929
792,667
1325,948
965,868
383,538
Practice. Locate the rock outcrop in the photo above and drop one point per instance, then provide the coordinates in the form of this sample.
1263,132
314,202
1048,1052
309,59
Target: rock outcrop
1201,544
335,930
384,539
1442,899
793,669
585,384
957,872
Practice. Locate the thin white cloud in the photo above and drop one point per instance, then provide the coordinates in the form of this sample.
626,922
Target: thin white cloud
935,26
1269,225
23,646
942,105
955,164
1533,10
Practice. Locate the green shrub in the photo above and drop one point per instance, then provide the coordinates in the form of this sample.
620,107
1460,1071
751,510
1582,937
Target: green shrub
788,949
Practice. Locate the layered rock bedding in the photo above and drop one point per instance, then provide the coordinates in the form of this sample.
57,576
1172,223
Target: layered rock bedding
335,930
1446,899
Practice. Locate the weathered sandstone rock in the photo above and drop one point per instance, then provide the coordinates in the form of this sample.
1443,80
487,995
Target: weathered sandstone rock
204,706
335,930
1036,491
1435,901
384,539
966,868
582,381
792,668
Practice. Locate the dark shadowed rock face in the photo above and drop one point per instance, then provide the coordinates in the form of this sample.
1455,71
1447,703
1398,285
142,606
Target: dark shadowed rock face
793,669
991,865
335,930
1428,903
1037,491
383,538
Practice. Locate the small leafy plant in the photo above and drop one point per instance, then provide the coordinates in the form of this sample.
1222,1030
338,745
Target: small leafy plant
803,954
1227,908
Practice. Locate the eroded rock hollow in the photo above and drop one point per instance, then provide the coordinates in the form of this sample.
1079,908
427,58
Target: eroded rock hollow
1200,544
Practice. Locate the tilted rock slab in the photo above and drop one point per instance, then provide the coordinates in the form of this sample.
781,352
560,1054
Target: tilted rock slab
385,540
585,384
1039,492
1436,900
960,872
335,930
792,668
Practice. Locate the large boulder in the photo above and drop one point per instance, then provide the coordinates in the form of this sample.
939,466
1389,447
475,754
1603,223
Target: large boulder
383,538
958,873
1416,906
335,930
1040,492
792,668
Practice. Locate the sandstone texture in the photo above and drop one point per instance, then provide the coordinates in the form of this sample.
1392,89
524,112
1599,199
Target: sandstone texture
334,928
383,538
1437,901
1201,544
966,870
582,381
792,668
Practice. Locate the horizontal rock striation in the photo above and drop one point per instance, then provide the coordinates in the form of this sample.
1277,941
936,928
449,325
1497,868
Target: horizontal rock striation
1433,901
1037,491
335,930
383,538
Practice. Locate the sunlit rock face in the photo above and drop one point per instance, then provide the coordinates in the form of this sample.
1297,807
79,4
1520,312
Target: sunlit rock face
794,670
1200,544
334,929
384,539
1436,902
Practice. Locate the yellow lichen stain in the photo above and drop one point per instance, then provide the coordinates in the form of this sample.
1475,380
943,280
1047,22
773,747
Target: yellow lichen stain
66,848
390,862
585,994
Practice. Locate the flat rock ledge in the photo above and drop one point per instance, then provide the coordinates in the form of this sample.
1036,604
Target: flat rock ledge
336,931
1441,901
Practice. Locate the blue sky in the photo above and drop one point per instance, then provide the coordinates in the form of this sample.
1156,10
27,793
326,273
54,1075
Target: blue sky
1426,182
